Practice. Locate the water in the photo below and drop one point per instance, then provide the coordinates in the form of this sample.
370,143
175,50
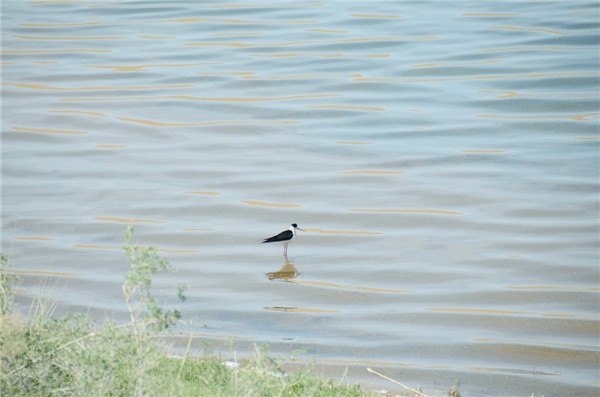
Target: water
442,157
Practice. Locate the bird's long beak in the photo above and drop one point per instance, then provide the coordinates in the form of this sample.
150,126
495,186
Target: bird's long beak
300,229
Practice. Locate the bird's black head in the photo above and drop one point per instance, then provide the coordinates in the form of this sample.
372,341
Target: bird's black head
294,225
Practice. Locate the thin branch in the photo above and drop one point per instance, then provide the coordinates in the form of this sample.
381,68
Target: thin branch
61,347
14,371
132,316
396,382
184,357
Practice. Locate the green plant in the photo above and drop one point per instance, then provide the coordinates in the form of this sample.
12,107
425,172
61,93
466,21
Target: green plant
455,390
145,262
70,356
7,282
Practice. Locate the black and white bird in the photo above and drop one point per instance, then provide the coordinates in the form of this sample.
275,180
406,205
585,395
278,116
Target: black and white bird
284,237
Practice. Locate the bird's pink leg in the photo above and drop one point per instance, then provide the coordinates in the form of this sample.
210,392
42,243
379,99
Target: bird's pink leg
285,249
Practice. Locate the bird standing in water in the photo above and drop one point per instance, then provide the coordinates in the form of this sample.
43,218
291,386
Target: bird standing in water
284,237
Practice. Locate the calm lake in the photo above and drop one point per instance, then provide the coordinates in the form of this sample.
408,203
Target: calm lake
442,157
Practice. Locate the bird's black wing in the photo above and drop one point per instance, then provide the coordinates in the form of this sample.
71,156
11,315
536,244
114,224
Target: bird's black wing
283,236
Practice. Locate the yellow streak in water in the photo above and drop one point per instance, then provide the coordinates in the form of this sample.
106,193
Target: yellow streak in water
523,372
58,2
583,117
527,29
34,238
48,130
216,99
68,38
426,65
325,31
157,37
306,54
438,64
277,5
260,203
374,16
489,15
292,43
482,311
514,94
554,288
498,311
45,87
203,193
39,272
525,76
587,138
483,151
161,124
409,211
180,20
373,172
226,74
235,34
303,76
356,287
65,25
48,51
140,68
499,340
300,309
234,21
110,6
338,231
78,112
125,220
354,143
348,107
506,94
537,48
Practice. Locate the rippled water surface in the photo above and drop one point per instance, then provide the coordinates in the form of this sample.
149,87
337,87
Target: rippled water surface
442,158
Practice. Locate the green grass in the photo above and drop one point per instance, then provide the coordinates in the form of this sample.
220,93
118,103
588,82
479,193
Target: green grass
72,356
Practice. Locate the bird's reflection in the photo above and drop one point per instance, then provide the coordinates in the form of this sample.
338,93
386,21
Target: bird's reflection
287,272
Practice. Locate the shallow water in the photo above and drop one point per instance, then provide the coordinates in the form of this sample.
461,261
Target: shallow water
443,159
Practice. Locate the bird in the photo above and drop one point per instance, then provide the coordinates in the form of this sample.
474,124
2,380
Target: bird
284,237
